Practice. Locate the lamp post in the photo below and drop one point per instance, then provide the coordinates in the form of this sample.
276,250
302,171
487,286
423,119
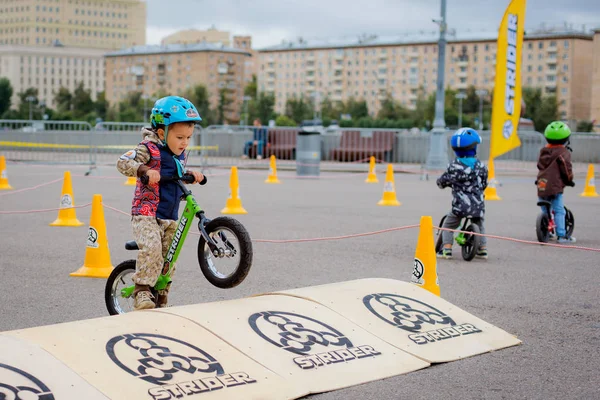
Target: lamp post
30,100
437,159
460,96
481,93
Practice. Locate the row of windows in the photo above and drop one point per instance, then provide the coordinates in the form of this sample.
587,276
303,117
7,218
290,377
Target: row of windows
102,14
95,3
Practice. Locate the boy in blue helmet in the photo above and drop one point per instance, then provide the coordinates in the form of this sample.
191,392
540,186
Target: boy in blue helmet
155,206
467,176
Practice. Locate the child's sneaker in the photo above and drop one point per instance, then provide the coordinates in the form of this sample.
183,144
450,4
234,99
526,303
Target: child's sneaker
566,239
482,253
143,300
445,253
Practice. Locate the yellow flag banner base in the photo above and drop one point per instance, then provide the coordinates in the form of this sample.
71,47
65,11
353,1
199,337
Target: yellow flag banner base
372,177
131,181
272,178
389,189
234,203
66,214
97,255
425,265
3,178
590,185
490,192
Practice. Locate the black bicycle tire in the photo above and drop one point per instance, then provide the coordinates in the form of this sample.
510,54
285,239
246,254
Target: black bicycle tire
569,222
245,250
439,241
469,249
125,265
541,227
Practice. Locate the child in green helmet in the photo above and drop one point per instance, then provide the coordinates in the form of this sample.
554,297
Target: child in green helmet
554,173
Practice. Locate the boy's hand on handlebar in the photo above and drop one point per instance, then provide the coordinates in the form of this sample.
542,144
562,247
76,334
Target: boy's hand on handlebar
153,177
572,184
198,176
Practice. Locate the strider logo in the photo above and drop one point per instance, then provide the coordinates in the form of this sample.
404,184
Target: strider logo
18,384
179,368
318,344
415,317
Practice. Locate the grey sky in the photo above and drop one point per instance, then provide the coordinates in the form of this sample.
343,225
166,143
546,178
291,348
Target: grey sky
271,21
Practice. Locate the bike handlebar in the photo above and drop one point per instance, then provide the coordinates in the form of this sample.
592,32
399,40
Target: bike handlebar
185,178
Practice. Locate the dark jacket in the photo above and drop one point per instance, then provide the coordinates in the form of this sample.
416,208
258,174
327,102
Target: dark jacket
468,183
554,170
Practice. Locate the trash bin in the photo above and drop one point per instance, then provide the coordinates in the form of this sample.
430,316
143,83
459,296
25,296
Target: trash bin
308,153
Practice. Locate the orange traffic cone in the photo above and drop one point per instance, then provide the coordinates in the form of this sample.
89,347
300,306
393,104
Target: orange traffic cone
131,181
372,177
3,178
234,203
389,190
590,185
272,178
425,265
97,256
490,192
66,214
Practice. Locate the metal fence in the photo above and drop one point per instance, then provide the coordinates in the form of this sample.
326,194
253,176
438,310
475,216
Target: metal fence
68,142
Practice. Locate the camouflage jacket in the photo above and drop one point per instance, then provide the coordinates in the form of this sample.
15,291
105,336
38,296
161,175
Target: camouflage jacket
467,183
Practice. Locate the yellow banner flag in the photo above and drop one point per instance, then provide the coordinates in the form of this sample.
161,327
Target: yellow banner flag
506,107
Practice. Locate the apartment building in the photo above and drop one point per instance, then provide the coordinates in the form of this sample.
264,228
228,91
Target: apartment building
595,113
191,36
175,68
250,65
370,67
102,24
51,67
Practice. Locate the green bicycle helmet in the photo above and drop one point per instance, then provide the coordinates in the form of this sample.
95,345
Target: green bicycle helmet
557,132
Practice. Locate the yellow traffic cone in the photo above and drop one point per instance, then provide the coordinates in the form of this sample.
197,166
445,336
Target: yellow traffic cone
234,203
3,178
372,177
97,256
66,214
588,191
490,191
272,178
389,190
131,181
425,265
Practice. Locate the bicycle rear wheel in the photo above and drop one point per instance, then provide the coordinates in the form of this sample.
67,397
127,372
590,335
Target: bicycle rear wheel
541,227
472,242
230,266
439,242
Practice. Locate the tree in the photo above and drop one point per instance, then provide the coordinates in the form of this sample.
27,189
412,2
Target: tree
356,108
63,99
585,126
25,105
264,107
298,109
223,101
532,97
547,113
101,105
251,88
6,92
82,101
284,120
200,97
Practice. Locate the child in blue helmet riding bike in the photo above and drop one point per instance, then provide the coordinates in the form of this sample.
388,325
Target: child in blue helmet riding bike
155,206
467,176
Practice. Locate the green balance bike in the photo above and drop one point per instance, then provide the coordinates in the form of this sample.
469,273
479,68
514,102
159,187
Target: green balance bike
223,241
468,242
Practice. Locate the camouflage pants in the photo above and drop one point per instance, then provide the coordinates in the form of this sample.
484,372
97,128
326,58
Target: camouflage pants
153,237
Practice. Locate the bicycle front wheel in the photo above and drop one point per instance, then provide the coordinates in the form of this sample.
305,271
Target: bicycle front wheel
119,278
230,263
472,242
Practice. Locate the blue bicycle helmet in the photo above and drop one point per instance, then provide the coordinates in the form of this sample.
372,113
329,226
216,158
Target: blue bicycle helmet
171,109
464,142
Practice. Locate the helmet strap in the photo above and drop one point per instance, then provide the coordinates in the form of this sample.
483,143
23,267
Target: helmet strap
164,141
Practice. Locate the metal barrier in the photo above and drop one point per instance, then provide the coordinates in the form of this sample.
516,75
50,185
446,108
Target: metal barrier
74,142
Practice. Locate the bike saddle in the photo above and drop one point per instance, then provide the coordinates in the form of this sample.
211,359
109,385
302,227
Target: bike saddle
542,203
131,245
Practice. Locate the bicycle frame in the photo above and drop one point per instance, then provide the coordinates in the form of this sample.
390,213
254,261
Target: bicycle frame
192,209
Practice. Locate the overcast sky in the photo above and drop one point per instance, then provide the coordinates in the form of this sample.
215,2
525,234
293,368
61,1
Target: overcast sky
271,21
